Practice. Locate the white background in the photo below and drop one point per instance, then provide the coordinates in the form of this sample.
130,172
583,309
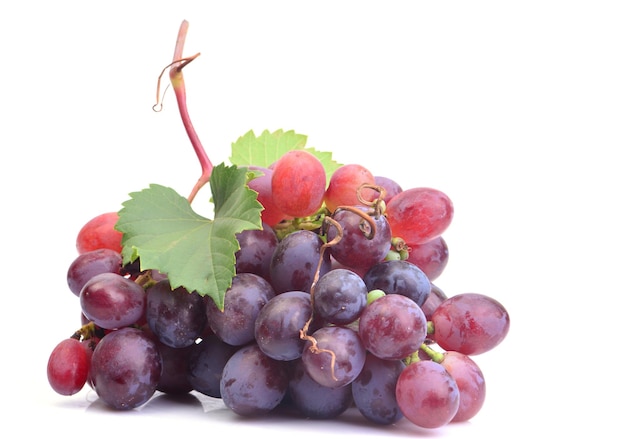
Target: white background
515,109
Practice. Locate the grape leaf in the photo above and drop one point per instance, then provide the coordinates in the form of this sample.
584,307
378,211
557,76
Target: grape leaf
265,149
161,229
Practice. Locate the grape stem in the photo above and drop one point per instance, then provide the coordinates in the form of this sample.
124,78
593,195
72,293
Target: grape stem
304,335
178,84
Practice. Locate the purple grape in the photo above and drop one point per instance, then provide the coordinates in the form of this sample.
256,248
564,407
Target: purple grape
176,317
87,265
175,362
392,327
206,364
313,400
399,277
242,303
357,248
256,251
252,383
125,368
374,390
335,357
295,261
278,325
339,296
112,301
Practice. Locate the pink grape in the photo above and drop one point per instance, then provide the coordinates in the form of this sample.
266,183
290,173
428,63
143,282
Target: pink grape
427,394
418,215
392,327
471,382
343,186
271,214
431,256
470,323
99,232
68,367
298,183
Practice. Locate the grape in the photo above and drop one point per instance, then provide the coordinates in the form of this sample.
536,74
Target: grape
343,187
252,383
434,299
399,277
471,382
374,390
99,232
298,183
278,324
256,250
391,187
176,317
88,264
242,303
392,327
418,215
333,356
431,257
271,214
357,248
174,365
68,367
339,296
470,323
295,261
312,399
206,364
112,301
126,366
427,394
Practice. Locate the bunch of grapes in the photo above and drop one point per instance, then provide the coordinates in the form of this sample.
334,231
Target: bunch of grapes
333,305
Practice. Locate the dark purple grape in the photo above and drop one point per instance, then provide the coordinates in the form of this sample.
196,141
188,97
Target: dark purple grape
87,265
357,248
176,317
175,361
313,400
256,251
252,383
125,368
278,325
374,390
399,277
339,296
295,261
335,357
206,364
112,301
242,303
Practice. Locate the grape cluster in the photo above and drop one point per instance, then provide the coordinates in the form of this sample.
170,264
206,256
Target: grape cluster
332,306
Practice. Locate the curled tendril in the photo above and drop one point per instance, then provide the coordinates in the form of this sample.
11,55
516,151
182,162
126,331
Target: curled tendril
304,335
181,63
367,225
379,203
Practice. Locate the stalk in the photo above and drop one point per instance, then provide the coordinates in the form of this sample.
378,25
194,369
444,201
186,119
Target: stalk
178,84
